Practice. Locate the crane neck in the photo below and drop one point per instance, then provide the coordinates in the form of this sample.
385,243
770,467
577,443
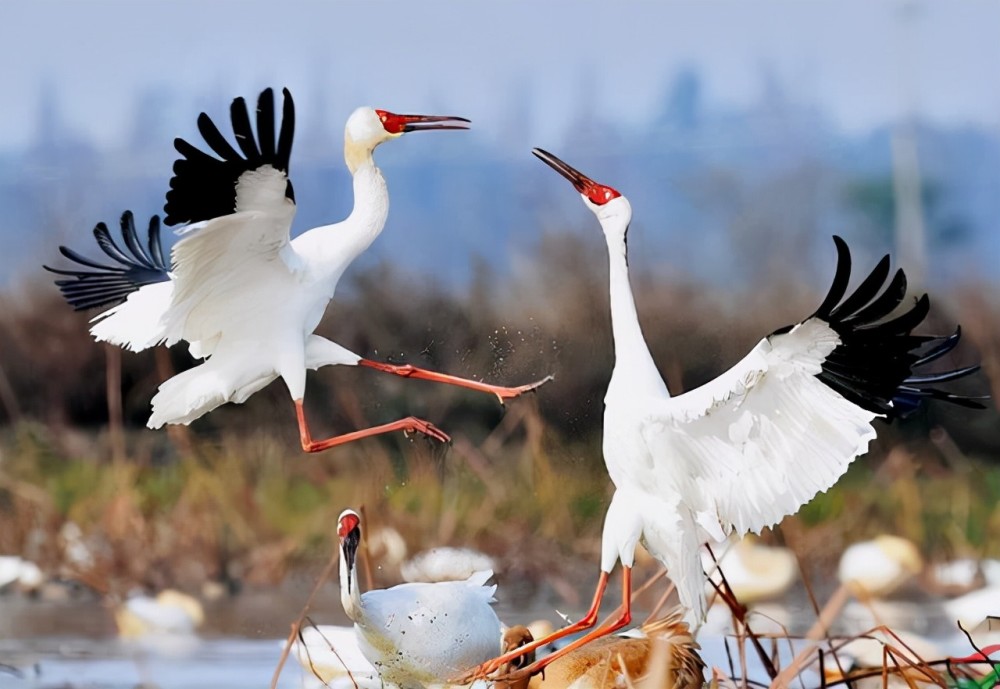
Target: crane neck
633,362
331,248
371,201
357,155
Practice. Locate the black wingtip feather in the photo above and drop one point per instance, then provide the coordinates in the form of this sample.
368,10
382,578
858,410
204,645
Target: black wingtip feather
840,279
945,345
874,364
866,291
884,304
107,285
287,133
204,186
265,124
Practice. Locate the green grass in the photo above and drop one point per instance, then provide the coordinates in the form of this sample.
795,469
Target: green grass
237,501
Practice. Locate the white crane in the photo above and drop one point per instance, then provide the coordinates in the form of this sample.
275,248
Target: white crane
242,294
752,446
170,612
417,634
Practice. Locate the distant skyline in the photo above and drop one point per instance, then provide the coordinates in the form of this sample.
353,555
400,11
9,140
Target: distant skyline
863,64
717,119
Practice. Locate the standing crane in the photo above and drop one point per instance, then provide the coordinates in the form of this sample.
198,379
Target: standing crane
752,446
421,633
244,295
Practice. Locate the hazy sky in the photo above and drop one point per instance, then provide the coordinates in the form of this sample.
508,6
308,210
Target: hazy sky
860,61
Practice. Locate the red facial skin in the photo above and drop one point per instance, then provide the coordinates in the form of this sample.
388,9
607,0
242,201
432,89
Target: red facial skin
400,124
347,524
598,194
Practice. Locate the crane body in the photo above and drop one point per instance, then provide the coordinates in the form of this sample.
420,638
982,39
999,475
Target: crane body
750,447
418,634
245,296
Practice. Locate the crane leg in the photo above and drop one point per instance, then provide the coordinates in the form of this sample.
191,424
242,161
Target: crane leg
586,622
410,371
409,424
613,625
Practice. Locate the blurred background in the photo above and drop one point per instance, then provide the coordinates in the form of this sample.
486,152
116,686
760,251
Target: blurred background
744,136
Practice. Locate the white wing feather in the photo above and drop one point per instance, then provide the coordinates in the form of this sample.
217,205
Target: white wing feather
216,267
430,632
135,324
762,439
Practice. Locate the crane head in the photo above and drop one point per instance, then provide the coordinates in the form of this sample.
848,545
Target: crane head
347,522
367,128
612,209
349,532
595,193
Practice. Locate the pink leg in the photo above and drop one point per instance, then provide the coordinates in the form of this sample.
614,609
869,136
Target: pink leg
409,371
410,423
623,619
586,622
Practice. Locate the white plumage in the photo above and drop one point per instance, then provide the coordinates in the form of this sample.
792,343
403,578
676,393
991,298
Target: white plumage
752,446
880,566
16,570
329,652
238,290
421,633
975,607
445,563
170,612
754,572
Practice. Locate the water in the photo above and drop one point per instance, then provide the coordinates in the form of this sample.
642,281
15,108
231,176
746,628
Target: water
110,664
225,663
72,644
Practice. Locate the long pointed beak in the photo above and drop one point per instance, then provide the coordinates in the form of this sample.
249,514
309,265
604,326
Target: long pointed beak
579,180
425,123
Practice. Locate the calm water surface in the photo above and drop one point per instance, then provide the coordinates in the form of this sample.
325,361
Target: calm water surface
72,645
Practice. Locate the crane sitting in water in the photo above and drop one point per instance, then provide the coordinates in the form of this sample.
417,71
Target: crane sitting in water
417,634
242,294
752,446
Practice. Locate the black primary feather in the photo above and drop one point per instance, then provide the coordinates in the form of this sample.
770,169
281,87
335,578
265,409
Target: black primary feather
108,285
873,366
204,186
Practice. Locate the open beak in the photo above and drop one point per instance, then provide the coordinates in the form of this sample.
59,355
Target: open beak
425,123
400,124
579,180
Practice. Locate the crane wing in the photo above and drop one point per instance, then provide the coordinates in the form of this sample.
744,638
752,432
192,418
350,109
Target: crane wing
205,187
242,206
442,629
134,266
215,263
782,425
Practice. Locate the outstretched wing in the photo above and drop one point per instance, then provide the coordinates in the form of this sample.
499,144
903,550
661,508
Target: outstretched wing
782,425
103,284
242,207
205,187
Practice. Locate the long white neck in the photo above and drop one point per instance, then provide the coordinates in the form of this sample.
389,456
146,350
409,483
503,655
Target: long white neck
350,593
634,366
371,206
331,248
